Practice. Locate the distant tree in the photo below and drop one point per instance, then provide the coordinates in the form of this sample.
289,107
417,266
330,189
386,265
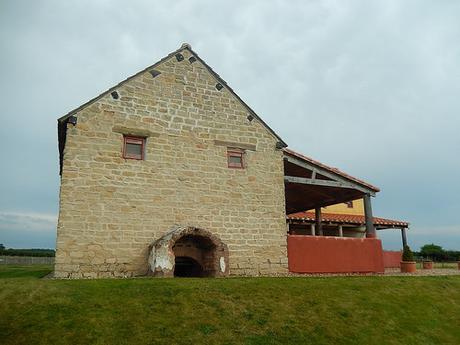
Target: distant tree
453,255
2,246
433,251
28,252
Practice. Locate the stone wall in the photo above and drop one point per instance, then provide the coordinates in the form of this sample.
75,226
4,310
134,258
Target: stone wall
112,209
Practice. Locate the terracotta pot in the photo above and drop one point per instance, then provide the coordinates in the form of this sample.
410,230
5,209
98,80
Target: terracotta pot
427,265
408,266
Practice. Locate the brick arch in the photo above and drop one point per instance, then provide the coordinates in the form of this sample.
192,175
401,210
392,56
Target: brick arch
206,248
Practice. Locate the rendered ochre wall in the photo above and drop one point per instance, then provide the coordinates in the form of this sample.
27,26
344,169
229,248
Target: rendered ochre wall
342,208
112,209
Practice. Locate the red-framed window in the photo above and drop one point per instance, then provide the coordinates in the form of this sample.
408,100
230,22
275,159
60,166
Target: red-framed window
349,204
235,158
133,147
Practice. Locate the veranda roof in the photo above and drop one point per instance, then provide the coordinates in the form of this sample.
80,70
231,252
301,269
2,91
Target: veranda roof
351,219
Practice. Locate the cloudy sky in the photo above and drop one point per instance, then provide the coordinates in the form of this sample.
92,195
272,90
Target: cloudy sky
371,87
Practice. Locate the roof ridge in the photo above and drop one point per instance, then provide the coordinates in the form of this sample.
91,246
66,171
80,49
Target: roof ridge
210,70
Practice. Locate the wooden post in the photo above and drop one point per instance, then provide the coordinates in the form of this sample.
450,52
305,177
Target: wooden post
340,231
312,229
370,230
319,225
404,237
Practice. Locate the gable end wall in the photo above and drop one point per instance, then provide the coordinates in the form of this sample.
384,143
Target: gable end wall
112,209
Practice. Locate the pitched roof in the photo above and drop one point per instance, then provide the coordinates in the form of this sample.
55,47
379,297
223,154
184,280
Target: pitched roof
345,219
184,46
331,169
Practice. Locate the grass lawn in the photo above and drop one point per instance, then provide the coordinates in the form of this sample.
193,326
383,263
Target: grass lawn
30,271
339,310
450,265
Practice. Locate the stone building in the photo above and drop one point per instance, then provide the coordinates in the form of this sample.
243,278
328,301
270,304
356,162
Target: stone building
170,173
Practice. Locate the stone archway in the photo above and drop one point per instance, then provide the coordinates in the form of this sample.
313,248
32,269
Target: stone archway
188,251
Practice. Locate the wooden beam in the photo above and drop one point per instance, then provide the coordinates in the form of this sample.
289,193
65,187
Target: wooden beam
404,237
316,182
319,224
328,174
370,230
313,174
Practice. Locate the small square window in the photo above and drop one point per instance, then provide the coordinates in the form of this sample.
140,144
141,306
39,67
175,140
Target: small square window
133,147
235,158
349,204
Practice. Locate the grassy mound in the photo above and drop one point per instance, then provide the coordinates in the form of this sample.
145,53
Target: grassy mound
339,310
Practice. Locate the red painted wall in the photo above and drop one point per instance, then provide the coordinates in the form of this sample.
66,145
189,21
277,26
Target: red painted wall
316,254
391,259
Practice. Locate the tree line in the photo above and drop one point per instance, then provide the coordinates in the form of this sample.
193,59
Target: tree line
26,252
437,253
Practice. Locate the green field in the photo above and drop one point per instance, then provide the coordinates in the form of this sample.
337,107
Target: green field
446,265
334,310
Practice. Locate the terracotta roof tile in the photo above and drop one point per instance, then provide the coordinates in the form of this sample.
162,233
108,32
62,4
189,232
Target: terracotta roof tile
345,218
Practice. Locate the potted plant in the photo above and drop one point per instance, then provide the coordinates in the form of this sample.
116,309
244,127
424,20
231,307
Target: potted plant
427,264
407,263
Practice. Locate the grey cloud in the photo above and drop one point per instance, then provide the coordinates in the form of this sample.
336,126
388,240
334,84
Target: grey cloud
367,86
26,230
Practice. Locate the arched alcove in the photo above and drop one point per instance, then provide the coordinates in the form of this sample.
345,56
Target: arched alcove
187,251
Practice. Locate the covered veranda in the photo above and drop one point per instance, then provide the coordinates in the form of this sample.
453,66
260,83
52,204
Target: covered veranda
310,184
341,225
348,245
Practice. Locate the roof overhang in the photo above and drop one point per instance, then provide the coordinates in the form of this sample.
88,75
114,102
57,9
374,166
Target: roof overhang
310,184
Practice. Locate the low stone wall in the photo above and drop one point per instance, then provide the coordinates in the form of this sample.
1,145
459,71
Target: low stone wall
318,254
26,260
392,259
